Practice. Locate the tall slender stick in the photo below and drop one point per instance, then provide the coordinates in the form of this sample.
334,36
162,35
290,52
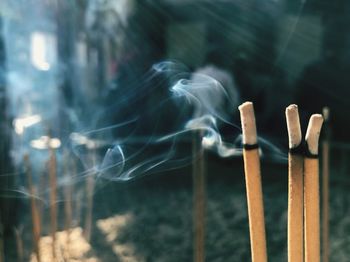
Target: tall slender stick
325,187
34,209
253,184
19,244
199,198
68,189
53,198
90,185
311,190
295,187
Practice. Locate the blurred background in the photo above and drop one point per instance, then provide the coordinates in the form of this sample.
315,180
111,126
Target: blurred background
113,89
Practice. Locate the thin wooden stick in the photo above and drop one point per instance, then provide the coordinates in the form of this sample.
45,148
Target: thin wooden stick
253,184
295,187
34,209
53,198
199,199
90,186
68,189
325,187
19,244
311,190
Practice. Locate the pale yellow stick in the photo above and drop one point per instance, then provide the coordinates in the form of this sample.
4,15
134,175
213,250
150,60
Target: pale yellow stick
325,187
295,188
311,191
253,184
34,209
199,197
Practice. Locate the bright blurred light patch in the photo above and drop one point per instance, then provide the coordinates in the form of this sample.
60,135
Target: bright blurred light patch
45,142
22,123
42,50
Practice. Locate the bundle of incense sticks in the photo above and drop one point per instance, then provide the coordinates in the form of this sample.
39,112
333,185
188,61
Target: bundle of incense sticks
303,195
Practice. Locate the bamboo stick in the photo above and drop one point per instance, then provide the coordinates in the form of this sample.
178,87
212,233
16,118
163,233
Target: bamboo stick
53,198
253,184
199,199
325,187
295,187
311,190
34,209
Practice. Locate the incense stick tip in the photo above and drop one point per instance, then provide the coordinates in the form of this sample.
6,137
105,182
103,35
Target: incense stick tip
293,126
248,123
313,133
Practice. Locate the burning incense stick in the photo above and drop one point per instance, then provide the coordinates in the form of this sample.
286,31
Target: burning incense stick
53,198
199,197
34,209
325,187
296,186
311,190
253,184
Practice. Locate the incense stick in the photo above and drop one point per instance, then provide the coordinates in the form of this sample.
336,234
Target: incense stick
53,198
325,187
253,184
90,185
19,244
36,223
199,197
68,189
311,190
295,186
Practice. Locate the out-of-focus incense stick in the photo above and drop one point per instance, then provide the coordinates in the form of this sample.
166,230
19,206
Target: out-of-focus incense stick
36,223
19,244
90,185
53,198
68,189
325,186
199,198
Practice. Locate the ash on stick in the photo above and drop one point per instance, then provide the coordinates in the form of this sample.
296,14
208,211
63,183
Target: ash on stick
253,184
311,190
199,198
295,187
325,187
